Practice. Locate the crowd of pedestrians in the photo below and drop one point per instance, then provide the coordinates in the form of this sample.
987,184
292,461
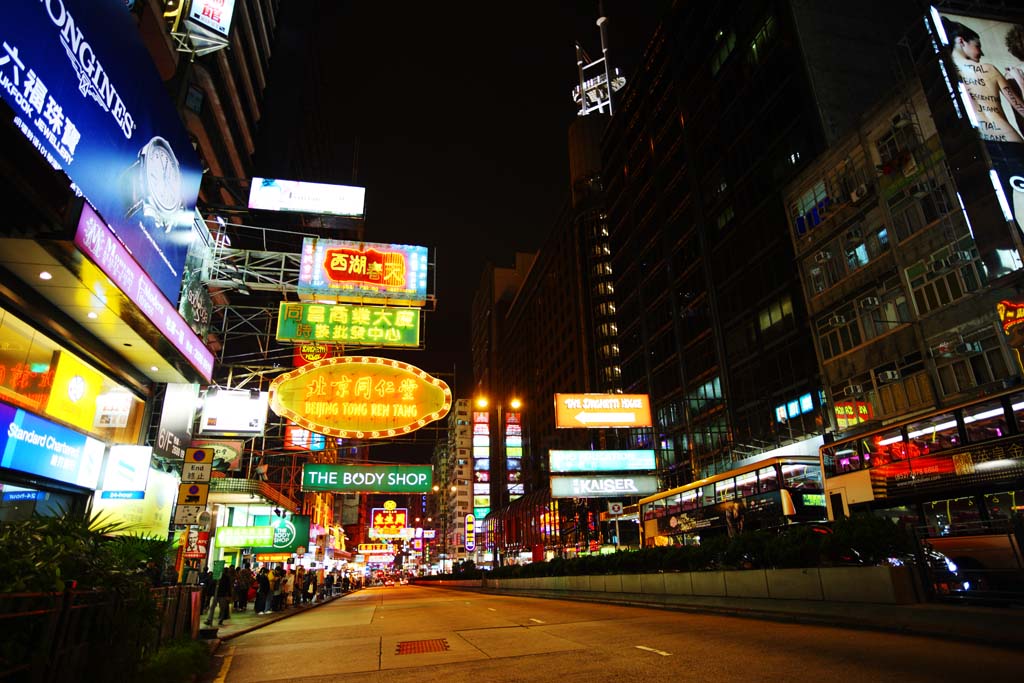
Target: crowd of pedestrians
270,589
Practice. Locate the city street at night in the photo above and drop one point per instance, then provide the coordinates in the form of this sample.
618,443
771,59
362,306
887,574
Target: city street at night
460,636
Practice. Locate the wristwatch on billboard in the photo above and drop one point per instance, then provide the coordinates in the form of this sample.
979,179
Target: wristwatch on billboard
153,184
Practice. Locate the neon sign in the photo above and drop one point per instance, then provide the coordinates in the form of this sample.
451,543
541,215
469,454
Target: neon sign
1010,314
361,272
360,397
348,324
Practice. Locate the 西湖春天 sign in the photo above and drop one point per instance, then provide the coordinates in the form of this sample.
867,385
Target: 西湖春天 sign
360,397
348,324
85,92
362,272
367,478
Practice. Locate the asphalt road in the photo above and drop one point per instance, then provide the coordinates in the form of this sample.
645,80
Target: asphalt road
496,638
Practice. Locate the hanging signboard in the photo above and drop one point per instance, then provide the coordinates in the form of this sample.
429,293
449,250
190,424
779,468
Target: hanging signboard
603,486
601,461
470,533
360,397
348,324
367,478
362,272
602,410
273,194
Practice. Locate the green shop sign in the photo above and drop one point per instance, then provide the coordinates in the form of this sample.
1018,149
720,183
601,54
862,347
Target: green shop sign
290,534
367,478
348,324
245,536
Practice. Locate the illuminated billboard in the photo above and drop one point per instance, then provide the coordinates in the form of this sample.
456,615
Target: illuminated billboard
212,14
298,439
234,412
601,461
348,324
366,478
602,410
388,521
360,397
470,530
147,515
987,56
126,469
33,445
363,272
603,486
270,194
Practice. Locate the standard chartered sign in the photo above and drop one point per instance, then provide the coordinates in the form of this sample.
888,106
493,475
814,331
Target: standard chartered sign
598,486
367,478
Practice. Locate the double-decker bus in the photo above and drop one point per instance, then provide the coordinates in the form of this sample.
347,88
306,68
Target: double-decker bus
764,494
956,476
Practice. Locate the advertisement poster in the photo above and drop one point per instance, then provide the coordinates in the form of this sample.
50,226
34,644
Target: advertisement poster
85,92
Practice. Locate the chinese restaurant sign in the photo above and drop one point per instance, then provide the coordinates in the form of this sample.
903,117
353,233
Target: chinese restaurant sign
367,478
362,272
602,410
348,324
360,397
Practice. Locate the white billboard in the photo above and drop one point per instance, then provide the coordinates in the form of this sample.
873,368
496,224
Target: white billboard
127,468
213,14
234,412
269,194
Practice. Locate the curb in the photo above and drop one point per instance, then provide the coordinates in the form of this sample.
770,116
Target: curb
219,640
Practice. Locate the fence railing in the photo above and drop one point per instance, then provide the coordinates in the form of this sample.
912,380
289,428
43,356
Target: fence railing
94,636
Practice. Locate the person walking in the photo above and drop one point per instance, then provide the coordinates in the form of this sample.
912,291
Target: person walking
276,589
300,585
262,592
287,588
225,589
209,585
244,583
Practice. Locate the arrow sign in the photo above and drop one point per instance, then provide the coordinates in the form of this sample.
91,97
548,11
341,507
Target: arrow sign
602,410
606,418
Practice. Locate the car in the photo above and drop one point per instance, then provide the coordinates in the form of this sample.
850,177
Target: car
389,582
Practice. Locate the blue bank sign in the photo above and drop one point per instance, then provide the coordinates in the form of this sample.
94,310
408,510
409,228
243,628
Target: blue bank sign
86,94
30,444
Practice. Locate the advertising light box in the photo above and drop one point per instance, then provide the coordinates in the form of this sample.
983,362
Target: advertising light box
212,14
388,522
290,534
602,461
234,412
348,324
360,397
33,445
599,486
127,468
86,94
245,536
147,515
362,272
367,478
271,194
602,410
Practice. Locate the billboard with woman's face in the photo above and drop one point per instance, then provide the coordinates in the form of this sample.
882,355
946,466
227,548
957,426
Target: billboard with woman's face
989,59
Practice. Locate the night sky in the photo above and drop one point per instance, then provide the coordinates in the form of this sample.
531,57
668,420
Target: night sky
461,111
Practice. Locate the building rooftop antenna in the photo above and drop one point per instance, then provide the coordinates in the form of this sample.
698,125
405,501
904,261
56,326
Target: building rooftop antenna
593,93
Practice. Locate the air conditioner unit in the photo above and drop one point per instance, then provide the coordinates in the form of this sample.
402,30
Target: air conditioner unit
852,390
822,256
852,235
968,347
889,375
901,120
859,193
937,266
869,302
836,320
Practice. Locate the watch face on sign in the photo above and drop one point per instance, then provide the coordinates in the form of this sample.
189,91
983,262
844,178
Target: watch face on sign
163,177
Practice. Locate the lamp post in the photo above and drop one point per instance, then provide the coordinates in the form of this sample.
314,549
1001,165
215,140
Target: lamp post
499,475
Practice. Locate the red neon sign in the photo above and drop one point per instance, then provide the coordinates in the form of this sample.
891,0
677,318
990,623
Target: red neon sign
365,267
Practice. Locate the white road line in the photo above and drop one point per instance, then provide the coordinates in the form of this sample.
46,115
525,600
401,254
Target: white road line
651,649
492,609
537,620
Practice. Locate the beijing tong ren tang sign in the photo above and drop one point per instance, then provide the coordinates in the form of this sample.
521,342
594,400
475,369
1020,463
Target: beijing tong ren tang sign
360,397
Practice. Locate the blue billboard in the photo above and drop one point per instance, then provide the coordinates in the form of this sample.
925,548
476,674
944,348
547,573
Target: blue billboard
85,92
30,444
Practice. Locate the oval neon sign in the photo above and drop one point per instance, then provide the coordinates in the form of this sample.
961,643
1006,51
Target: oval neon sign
360,397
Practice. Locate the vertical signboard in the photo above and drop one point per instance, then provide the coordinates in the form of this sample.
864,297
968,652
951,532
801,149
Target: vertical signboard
481,463
176,418
470,533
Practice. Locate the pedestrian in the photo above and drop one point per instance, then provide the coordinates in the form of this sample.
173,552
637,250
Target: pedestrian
225,589
345,583
262,591
288,587
244,582
209,585
309,589
329,585
277,589
300,586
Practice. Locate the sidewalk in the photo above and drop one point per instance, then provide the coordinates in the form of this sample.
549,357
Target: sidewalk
244,622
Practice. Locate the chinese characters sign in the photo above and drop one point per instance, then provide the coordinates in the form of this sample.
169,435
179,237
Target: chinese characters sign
86,94
850,413
362,272
366,478
360,397
1011,314
36,446
213,14
348,324
245,536
388,523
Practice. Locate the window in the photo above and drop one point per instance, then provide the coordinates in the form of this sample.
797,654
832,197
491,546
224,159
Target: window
759,45
935,434
986,421
838,332
604,289
775,313
726,43
746,485
799,477
608,330
971,364
949,276
707,394
767,480
810,209
725,490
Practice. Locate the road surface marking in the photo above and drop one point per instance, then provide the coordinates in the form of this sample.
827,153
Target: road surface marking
651,649
225,666
537,620
492,609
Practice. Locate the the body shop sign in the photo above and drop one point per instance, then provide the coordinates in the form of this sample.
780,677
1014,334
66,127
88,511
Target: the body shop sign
290,534
367,478
360,397
362,272
85,92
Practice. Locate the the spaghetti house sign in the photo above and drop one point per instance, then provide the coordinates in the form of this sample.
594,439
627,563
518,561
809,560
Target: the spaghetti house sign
360,397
